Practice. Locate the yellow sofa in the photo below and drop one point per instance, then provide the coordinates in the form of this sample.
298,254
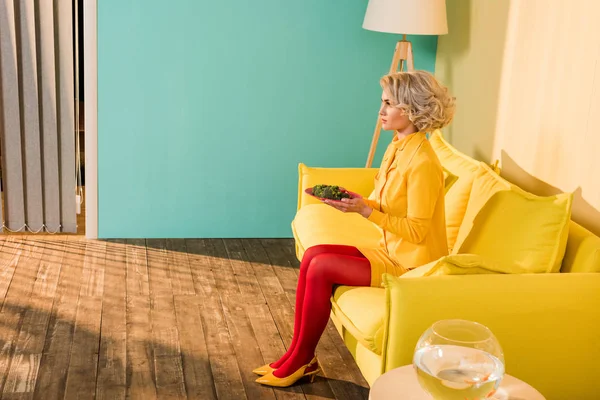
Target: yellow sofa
547,323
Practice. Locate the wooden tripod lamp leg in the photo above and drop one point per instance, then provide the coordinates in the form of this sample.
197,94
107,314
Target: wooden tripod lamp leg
402,55
409,57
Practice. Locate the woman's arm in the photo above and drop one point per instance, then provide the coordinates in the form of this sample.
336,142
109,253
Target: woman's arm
423,189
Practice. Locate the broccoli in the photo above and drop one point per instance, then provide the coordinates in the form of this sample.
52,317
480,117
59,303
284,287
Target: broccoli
332,192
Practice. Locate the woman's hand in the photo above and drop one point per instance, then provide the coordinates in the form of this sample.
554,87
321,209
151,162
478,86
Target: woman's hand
356,205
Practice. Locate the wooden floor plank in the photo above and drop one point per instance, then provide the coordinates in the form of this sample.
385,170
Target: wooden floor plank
56,356
112,377
165,337
158,268
222,270
242,269
141,382
46,282
169,378
83,364
168,367
69,282
179,267
200,255
224,367
92,278
137,268
194,352
111,383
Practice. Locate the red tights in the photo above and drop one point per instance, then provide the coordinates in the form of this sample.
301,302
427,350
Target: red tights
322,267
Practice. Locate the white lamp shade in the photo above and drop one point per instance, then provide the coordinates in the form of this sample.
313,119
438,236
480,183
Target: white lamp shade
409,17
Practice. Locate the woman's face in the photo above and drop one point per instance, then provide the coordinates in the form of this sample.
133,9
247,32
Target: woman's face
392,118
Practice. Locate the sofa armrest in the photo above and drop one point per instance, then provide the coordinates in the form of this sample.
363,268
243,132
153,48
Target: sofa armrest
547,324
358,180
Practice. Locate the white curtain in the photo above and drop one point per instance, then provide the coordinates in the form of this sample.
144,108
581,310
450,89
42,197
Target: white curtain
37,115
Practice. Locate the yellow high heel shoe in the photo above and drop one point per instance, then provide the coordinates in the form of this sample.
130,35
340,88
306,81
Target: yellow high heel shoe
272,380
264,370
267,369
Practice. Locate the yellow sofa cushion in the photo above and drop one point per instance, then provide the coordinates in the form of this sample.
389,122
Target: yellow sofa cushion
512,227
583,250
322,224
464,169
361,310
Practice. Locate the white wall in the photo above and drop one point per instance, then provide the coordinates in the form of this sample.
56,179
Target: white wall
531,95
469,61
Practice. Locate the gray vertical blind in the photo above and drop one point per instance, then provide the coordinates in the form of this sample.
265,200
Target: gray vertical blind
37,115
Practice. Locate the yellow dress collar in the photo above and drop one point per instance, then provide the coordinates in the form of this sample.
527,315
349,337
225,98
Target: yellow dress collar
400,144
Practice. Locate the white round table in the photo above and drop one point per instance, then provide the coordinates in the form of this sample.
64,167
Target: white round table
402,384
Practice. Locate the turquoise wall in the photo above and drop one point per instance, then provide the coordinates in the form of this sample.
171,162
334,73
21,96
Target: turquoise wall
206,108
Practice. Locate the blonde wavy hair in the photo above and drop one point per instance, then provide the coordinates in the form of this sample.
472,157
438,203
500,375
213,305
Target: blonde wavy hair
426,101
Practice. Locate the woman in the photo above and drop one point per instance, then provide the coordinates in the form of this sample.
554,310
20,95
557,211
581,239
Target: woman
407,204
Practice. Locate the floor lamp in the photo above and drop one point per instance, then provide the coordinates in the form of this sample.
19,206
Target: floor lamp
405,17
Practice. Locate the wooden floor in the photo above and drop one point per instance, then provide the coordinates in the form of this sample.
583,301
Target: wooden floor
145,319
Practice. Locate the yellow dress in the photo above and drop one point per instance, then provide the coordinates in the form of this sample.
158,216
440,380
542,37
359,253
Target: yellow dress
408,207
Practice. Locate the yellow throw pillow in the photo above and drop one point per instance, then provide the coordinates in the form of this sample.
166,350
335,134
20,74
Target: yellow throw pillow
464,169
511,227
583,250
